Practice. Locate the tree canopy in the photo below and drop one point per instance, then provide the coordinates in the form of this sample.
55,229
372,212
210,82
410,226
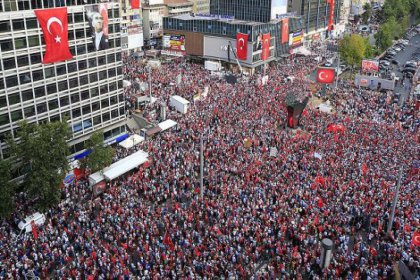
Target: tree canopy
353,48
42,151
7,189
101,156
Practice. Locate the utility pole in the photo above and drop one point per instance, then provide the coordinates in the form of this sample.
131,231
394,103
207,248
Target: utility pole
394,203
338,69
201,167
150,84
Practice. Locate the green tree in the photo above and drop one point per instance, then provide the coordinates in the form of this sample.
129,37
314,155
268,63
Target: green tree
101,156
7,189
353,49
367,12
43,152
384,36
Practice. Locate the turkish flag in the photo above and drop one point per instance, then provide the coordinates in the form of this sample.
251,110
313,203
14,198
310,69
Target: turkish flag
416,238
242,45
325,75
135,4
34,230
168,242
55,28
331,19
265,46
284,30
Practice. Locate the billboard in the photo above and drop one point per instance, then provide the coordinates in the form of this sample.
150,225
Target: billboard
278,7
218,48
295,39
135,36
97,16
173,44
369,65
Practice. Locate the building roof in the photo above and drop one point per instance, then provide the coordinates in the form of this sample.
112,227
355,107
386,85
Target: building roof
178,2
215,18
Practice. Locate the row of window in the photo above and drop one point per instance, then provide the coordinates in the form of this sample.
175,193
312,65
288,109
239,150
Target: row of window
38,92
107,135
35,58
38,75
33,41
43,107
21,5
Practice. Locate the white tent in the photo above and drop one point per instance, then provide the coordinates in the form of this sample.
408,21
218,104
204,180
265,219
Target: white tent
167,124
124,165
131,141
96,178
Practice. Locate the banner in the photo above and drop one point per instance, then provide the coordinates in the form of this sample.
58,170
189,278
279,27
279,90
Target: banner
331,16
97,16
296,38
242,45
325,75
265,46
135,4
284,30
55,28
369,65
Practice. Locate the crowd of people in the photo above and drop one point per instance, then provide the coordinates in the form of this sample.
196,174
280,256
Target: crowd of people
263,213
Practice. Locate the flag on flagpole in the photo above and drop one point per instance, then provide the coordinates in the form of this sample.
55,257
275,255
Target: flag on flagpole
168,242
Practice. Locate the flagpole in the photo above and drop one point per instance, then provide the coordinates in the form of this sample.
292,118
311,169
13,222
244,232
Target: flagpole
394,203
338,67
201,167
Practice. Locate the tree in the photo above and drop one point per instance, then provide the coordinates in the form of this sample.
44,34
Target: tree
101,156
43,152
353,49
7,190
367,12
389,31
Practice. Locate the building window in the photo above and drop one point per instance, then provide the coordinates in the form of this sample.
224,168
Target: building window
75,98
41,108
18,24
85,94
35,58
86,109
33,41
61,70
75,113
4,119
39,92
51,88
31,23
24,78
71,67
53,104
4,26
29,111
49,72
9,63
20,43
23,61
14,99
96,120
74,83
37,75
27,95
105,117
84,80
3,102
64,101
62,86
93,77
104,103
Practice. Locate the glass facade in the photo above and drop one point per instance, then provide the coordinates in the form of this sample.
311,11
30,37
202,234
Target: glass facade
86,90
251,10
315,14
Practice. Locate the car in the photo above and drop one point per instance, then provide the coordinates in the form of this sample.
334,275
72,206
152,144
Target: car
391,52
409,70
394,61
327,64
410,63
384,62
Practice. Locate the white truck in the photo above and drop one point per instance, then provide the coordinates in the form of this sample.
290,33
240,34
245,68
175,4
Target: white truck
25,225
180,104
212,65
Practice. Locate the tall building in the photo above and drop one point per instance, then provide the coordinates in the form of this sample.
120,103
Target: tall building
131,26
249,10
86,90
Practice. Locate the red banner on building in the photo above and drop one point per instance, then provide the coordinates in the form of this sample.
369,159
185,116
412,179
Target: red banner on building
242,45
325,75
284,30
265,46
55,28
370,65
331,19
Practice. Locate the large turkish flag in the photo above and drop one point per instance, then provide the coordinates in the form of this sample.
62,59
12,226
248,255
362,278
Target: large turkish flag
135,4
325,75
55,28
284,30
265,46
416,238
242,45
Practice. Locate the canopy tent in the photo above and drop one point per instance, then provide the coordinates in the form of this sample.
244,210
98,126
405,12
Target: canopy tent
167,124
124,165
96,178
131,141
302,50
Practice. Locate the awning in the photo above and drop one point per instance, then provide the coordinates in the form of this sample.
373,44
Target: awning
124,165
167,124
131,141
153,131
301,50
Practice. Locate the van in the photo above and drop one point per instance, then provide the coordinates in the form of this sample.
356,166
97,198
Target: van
25,225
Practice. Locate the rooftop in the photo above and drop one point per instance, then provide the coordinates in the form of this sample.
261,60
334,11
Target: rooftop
215,18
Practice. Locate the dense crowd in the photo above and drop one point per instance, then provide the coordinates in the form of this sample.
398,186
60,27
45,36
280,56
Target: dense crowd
263,213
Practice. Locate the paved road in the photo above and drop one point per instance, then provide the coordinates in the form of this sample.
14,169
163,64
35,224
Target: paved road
402,57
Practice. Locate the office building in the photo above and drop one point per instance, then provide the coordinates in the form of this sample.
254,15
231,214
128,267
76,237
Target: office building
249,10
86,90
131,27
201,6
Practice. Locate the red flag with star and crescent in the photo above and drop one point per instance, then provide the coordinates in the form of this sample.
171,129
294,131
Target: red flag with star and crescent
55,28
284,30
416,238
242,45
265,46
325,75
